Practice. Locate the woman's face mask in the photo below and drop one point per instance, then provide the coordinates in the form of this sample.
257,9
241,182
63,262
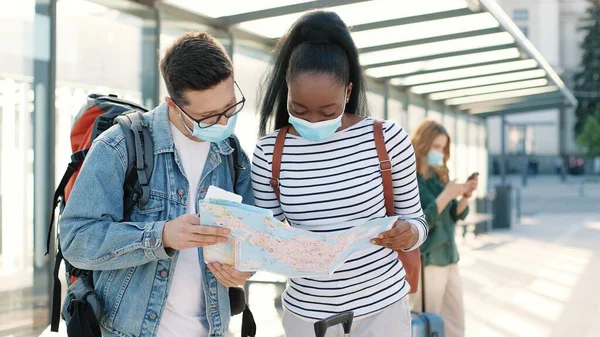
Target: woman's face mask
435,158
319,131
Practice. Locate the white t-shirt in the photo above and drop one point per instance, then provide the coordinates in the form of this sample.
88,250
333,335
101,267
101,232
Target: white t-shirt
185,311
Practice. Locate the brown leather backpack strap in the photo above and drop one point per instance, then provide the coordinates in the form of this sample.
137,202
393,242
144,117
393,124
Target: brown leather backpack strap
277,154
385,166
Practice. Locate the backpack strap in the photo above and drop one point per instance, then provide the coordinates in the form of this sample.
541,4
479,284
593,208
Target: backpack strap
385,166
277,155
410,260
59,195
140,160
56,292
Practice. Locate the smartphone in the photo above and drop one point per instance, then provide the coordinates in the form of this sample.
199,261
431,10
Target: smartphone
473,176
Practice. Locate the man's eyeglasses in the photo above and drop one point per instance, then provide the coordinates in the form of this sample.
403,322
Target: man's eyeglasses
211,120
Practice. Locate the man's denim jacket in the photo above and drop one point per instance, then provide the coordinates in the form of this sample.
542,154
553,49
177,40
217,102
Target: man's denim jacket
132,268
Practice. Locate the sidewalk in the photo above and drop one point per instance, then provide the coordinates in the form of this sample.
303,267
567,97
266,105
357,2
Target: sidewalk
537,280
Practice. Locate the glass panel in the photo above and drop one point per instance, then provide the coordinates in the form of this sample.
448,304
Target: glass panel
468,83
250,67
488,89
396,112
216,9
448,121
483,160
88,31
422,30
20,304
434,115
500,95
467,72
472,146
354,14
444,62
461,156
376,103
435,48
416,115
516,139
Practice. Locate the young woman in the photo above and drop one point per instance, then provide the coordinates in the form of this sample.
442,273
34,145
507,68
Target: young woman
330,179
443,286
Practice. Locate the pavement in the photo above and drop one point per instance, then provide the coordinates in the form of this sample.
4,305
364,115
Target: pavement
538,279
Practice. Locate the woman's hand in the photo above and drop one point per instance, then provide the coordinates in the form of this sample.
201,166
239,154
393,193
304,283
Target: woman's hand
227,275
453,190
471,185
403,235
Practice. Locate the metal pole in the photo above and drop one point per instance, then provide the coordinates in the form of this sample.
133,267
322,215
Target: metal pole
455,160
525,170
150,47
386,97
230,46
467,122
562,143
407,125
503,151
44,83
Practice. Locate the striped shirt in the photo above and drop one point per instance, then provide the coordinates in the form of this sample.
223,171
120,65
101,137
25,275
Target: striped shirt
332,186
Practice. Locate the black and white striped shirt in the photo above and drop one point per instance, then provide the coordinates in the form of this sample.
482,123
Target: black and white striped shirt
332,186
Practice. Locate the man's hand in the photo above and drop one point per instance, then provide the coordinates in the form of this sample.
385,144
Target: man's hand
403,235
227,275
186,232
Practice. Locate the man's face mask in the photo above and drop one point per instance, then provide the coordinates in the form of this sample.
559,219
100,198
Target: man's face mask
208,128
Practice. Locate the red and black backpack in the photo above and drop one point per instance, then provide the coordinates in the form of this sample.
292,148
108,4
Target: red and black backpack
96,116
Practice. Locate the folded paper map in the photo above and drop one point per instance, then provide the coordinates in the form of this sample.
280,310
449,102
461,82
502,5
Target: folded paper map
261,242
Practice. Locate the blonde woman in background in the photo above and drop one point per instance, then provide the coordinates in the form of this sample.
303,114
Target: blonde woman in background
444,202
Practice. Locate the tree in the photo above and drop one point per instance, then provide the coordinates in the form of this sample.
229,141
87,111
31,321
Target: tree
587,79
589,138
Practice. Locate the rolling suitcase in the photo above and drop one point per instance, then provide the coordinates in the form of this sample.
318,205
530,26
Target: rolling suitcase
345,319
426,324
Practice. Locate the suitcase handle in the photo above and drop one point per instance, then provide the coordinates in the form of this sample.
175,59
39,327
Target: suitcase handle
344,318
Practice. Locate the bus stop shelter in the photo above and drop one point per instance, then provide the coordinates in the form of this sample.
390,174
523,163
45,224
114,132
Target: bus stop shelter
465,57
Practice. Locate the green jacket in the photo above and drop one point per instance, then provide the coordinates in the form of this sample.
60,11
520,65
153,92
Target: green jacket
440,247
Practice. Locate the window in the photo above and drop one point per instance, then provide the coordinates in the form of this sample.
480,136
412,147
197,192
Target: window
525,30
521,14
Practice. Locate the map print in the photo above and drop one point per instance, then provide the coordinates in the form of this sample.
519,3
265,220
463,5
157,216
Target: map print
261,242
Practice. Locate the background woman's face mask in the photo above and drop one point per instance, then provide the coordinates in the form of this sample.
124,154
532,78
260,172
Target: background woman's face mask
435,158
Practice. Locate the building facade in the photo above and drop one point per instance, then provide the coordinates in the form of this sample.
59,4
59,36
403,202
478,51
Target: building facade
534,136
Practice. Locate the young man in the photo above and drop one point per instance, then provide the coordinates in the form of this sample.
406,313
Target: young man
149,271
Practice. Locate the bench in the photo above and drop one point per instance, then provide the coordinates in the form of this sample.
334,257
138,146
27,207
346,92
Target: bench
473,222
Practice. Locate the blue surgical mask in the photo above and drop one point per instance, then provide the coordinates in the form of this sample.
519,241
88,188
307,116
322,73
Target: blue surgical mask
316,132
435,158
214,134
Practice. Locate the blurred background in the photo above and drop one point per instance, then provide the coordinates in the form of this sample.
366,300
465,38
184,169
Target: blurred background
515,82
